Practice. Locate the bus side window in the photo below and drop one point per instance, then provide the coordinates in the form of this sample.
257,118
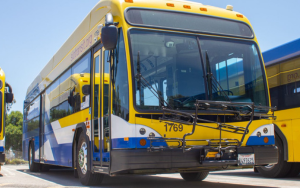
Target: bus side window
80,78
64,89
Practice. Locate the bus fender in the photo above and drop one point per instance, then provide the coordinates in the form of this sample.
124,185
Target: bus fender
79,128
284,142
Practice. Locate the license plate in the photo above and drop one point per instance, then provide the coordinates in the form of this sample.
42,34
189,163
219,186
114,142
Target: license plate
246,159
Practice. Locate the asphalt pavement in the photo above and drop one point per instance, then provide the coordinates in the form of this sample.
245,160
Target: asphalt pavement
20,176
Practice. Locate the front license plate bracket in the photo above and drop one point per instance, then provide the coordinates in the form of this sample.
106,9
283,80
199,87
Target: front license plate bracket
246,159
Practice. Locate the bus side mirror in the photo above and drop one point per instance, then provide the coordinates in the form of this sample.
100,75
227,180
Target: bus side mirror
109,33
9,97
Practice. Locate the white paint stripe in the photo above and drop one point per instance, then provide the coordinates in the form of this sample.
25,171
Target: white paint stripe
64,135
270,132
121,129
48,155
55,125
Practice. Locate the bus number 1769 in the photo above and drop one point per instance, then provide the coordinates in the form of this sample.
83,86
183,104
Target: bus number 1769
174,127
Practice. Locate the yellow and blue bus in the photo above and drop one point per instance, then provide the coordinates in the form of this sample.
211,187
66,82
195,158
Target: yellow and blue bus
146,87
283,70
6,96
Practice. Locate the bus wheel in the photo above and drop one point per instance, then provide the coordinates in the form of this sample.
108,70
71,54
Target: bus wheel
295,170
279,170
33,166
85,175
194,176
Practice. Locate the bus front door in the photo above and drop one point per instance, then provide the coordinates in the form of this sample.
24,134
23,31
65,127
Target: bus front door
100,115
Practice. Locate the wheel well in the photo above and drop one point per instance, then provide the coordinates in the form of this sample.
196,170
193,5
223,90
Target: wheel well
75,141
284,142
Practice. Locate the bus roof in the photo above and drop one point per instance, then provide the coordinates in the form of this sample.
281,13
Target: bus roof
283,52
62,59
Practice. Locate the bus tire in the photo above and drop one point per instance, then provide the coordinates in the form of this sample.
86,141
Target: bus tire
194,176
295,170
86,177
279,170
33,166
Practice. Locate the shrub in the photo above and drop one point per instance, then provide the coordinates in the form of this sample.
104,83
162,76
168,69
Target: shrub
15,161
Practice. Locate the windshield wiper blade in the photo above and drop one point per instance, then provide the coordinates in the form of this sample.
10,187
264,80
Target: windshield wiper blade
141,81
212,82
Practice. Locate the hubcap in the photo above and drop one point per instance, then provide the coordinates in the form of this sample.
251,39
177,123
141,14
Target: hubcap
82,158
269,166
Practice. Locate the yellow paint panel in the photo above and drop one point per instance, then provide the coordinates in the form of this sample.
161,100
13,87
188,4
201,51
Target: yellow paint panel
200,132
2,124
296,139
75,118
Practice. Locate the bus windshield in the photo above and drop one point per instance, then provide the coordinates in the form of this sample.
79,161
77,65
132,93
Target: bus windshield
184,68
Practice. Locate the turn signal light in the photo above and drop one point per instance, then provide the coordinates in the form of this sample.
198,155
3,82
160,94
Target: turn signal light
129,1
266,139
126,139
203,9
283,125
143,142
170,5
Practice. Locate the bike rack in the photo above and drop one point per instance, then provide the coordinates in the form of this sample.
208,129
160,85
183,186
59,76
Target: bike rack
238,109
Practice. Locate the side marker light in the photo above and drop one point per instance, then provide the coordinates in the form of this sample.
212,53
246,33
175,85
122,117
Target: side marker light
203,9
187,6
170,5
129,1
266,139
240,16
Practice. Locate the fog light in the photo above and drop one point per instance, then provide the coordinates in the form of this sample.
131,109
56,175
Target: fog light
266,139
142,131
152,135
143,142
258,134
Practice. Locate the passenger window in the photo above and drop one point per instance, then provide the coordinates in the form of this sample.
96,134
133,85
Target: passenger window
54,101
80,84
64,108
31,116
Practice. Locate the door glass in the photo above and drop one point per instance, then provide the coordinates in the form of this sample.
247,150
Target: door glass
106,99
96,101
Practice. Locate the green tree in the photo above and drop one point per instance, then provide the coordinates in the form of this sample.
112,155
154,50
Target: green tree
13,130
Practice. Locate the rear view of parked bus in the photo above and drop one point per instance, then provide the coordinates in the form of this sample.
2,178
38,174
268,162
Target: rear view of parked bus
161,87
6,96
283,70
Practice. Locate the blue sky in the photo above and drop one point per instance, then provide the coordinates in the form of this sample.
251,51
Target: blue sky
33,30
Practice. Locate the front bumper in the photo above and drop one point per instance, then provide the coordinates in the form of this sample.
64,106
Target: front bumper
174,160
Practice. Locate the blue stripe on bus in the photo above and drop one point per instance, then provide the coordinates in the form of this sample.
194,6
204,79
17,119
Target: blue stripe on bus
256,141
134,142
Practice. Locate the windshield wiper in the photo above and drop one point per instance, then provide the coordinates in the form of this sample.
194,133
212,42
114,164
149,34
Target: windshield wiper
142,82
212,82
